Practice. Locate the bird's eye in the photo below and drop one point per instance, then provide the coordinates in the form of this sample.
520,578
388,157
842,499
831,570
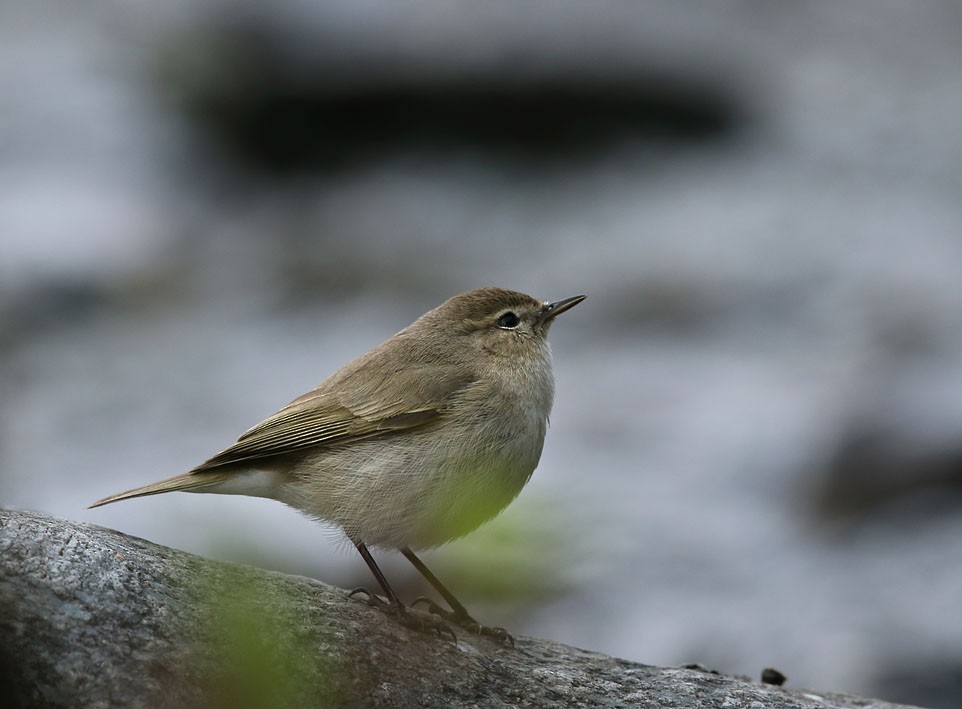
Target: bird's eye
509,321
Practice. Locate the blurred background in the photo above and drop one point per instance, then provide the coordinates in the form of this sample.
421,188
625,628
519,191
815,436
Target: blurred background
755,456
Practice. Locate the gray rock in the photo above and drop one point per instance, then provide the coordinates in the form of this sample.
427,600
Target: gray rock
92,617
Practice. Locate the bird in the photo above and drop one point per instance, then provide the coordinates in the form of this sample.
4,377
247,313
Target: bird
413,444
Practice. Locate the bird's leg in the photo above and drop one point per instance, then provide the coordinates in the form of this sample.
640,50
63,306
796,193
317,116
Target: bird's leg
458,613
373,600
394,605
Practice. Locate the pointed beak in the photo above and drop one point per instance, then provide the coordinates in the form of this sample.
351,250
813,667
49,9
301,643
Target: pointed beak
553,310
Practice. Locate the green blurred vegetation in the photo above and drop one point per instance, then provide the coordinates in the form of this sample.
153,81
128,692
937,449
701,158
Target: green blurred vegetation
263,657
517,559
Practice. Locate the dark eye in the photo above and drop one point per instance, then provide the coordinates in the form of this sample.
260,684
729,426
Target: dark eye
508,320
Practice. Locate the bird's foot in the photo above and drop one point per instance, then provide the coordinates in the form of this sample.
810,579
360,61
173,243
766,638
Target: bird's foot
465,621
425,624
414,621
372,598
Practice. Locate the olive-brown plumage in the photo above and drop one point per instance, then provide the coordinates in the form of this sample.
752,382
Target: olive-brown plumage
414,443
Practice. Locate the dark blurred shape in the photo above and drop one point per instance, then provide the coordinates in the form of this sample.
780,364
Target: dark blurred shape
934,683
772,676
15,691
666,305
875,470
277,113
47,304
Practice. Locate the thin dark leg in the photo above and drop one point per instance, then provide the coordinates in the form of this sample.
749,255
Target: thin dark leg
378,574
459,610
458,613
394,605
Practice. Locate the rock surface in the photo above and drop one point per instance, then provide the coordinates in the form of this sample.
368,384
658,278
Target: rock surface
92,617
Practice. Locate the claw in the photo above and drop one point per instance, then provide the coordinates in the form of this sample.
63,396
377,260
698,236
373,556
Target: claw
442,628
421,623
432,607
415,622
372,598
465,621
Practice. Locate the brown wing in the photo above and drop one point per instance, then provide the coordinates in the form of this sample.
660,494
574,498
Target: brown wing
309,426
380,392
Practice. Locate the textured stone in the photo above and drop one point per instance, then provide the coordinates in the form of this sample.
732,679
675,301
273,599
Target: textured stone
95,618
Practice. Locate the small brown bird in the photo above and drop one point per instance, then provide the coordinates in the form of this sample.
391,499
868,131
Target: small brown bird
413,444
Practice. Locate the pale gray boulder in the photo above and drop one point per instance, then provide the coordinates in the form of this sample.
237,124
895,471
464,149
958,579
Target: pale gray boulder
95,618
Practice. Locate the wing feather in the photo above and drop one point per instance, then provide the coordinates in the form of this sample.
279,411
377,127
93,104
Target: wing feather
372,396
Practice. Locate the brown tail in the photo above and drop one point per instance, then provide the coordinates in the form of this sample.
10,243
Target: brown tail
185,481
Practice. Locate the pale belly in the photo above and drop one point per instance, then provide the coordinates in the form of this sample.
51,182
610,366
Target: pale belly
417,490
